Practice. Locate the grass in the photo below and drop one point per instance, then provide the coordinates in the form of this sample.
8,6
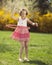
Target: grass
40,49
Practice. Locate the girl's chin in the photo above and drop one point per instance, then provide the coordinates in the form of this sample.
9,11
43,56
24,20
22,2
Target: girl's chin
23,17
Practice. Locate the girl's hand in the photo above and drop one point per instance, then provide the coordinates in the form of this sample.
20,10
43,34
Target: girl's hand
11,26
28,28
35,24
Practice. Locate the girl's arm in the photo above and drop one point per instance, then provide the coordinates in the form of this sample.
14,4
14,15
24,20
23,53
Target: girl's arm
13,26
33,24
15,18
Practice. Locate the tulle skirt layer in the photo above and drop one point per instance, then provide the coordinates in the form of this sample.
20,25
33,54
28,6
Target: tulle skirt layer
21,33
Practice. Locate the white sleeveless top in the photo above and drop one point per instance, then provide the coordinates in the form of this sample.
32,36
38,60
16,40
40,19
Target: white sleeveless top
22,22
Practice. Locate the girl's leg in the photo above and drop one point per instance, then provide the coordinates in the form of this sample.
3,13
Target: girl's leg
26,48
21,49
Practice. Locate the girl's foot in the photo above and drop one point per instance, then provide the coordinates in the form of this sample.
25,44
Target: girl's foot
21,60
26,59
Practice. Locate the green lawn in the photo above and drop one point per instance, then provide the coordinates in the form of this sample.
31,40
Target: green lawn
40,49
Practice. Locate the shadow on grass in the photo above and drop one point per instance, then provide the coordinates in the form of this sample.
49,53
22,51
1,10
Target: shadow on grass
38,62
32,45
5,48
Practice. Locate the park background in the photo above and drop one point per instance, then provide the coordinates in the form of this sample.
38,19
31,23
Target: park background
40,44
42,14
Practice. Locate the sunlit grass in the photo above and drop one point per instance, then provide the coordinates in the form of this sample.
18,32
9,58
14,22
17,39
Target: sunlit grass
40,49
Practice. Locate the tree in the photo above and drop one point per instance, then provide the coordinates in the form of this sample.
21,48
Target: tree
16,5
43,6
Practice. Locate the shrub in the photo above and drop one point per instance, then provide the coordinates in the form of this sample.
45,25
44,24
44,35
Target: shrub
5,18
45,22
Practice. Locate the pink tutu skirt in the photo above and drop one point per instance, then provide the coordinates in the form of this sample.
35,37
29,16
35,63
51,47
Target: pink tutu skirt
21,33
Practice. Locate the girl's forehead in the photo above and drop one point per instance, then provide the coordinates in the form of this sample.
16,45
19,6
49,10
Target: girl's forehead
23,11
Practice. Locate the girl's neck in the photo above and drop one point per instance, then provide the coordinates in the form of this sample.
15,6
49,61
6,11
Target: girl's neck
23,18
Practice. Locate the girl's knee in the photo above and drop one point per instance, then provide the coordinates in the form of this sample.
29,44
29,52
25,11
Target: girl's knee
26,46
22,46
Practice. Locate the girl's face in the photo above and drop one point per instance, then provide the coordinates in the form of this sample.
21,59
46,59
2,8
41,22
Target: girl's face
23,14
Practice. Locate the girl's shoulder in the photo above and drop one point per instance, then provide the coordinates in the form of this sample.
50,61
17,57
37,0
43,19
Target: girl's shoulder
27,18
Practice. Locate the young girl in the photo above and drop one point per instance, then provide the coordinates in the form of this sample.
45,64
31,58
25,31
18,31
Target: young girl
21,33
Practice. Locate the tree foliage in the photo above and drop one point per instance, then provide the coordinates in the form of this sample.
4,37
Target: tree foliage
43,5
